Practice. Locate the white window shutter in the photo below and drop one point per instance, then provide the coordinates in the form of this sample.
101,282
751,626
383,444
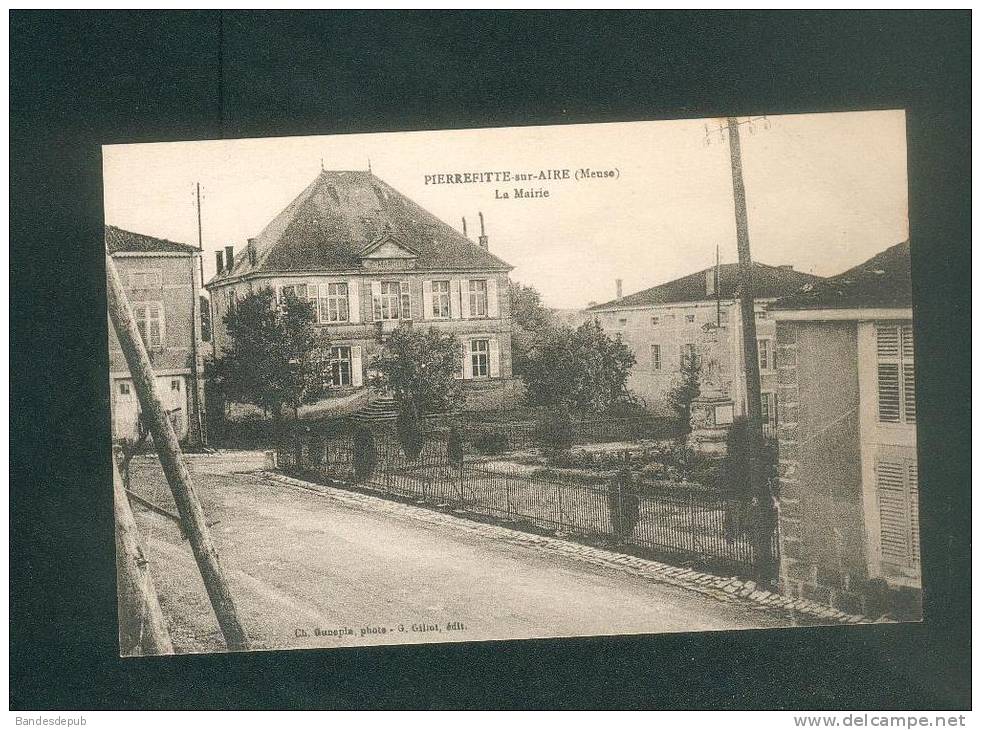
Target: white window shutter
163,325
493,310
354,301
467,361
465,298
376,292
427,299
357,376
455,299
405,300
495,358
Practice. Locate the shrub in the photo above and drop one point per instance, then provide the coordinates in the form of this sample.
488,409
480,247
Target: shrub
556,434
365,454
318,451
454,446
489,442
623,501
410,435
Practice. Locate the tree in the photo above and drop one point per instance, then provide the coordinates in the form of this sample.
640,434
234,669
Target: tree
686,390
623,501
276,358
529,318
582,368
419,369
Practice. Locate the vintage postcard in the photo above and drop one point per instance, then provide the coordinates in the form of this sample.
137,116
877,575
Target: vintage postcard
515,383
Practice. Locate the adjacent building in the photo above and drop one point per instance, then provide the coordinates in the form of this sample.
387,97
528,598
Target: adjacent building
698,316
371,260
162,280
849,517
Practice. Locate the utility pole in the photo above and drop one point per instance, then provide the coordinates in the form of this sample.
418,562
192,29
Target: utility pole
195,328
172,461
142,626
760,487
718,297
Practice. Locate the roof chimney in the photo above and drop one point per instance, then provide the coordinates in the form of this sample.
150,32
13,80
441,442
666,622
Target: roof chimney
465,227
787,267
483,235
250,247
229,258
219,262
619,289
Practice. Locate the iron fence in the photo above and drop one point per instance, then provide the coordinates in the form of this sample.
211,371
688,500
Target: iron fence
678,522
525,434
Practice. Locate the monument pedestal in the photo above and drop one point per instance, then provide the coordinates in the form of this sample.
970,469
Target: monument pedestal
711,416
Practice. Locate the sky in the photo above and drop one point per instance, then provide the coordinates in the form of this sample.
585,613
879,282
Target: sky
824,193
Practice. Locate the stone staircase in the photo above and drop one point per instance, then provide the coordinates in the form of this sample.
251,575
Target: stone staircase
379,410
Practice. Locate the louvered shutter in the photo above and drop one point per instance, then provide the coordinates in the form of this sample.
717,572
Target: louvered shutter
899,528
894,518
888,350
493,310
896,381
889,392
427,299
914,510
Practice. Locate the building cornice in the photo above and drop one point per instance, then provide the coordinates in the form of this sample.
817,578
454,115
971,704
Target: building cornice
365,273
155,254
855,313
673,305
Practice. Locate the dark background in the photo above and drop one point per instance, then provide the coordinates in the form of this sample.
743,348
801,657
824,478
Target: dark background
81,80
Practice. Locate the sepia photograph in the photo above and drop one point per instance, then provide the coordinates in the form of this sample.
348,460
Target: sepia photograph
512,383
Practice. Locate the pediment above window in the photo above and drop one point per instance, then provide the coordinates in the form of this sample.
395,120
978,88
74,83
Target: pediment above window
387,247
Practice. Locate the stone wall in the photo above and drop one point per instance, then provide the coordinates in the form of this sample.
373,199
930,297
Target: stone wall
822,543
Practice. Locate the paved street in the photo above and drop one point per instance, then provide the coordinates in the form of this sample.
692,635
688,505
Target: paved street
302,562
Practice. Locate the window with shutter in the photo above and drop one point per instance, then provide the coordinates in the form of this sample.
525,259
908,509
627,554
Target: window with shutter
896,384
150,323
387,302
340,366
478,297
440,305
899,529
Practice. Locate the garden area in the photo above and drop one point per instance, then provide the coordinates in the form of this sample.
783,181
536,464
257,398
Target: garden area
648,495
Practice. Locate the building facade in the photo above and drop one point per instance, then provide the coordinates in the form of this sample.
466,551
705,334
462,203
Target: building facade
849,513
698,316
371,260
162,280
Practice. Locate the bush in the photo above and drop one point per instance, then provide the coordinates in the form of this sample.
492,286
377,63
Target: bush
410,435
365,454
557,433
454,446
623,501
489,442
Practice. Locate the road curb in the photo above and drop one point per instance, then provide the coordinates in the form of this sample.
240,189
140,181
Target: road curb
723,589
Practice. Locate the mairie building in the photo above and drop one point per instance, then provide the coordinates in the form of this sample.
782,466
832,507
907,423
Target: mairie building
372,260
